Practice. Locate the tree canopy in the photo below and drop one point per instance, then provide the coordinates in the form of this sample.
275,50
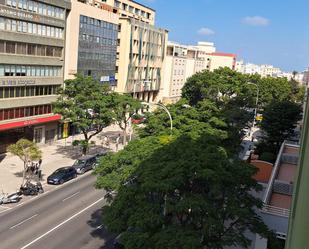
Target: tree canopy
279,122
27,151
87,104
180,193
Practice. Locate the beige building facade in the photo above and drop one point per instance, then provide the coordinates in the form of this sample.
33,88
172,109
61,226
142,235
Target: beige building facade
32,43
140,49
184,61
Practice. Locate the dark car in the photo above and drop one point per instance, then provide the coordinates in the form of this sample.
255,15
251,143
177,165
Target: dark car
98,157
62,175
85,163
117,244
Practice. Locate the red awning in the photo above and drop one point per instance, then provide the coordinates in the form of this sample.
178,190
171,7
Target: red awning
29,122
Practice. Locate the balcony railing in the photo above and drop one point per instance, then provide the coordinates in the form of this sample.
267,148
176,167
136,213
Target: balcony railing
276,210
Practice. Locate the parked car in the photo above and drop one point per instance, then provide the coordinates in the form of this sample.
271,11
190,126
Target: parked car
117,244
98,157
85,163
62,175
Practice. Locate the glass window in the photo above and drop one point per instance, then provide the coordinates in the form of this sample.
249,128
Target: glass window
40,8
2,46
52,32
14,3
39,29
44,9
30,30
13,25
28,71
24,4
30,5
10,47
1,96
1,70
31,49
43,30
20,4
34,28
32,71
42,71
35,7
8,24
2,23
8,2
11,92
37,71
48,31
19,26
49,51
25,26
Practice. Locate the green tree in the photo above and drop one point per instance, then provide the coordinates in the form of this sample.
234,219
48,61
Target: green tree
87,104
279,122
27,151
124,108
181,194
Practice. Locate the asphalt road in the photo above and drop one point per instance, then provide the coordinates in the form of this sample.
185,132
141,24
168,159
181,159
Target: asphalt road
66,218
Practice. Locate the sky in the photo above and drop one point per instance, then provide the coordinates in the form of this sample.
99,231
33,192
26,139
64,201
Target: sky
259,31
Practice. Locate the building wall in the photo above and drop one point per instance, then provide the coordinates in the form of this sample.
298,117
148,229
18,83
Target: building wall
217,60
141,54
73,33
32,35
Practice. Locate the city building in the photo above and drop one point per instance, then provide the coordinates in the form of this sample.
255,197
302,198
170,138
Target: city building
183,61
140,53
91,41
140,58
31,68
277,182
299,216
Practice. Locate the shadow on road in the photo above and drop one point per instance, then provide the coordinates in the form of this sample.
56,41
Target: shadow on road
99,231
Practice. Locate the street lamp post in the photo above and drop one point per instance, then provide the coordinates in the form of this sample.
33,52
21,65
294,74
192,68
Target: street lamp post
256,102
165,109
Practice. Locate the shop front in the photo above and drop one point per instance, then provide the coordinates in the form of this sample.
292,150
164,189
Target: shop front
41,130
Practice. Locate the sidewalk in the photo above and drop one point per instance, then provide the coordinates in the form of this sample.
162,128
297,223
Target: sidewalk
59,154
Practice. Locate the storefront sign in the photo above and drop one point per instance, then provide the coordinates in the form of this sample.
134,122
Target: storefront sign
11,13
29,122
65,132
17,82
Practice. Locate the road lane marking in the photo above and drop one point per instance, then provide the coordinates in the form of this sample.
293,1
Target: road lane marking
71,196
22,222
61,224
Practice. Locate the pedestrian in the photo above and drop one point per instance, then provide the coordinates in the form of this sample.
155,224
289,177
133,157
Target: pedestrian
105,141
40,162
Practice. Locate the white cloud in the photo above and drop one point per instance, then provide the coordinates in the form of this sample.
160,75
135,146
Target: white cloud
205,31
256,21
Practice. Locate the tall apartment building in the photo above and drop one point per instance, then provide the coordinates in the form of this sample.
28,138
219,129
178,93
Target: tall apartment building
183,61
91,41
32,41
140,50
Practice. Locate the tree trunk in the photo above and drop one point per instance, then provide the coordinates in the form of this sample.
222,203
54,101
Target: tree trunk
24,173
124,141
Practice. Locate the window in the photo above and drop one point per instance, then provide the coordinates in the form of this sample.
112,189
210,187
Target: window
21,48
10,47
49,51
30,29
31,49
14,25
2,21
